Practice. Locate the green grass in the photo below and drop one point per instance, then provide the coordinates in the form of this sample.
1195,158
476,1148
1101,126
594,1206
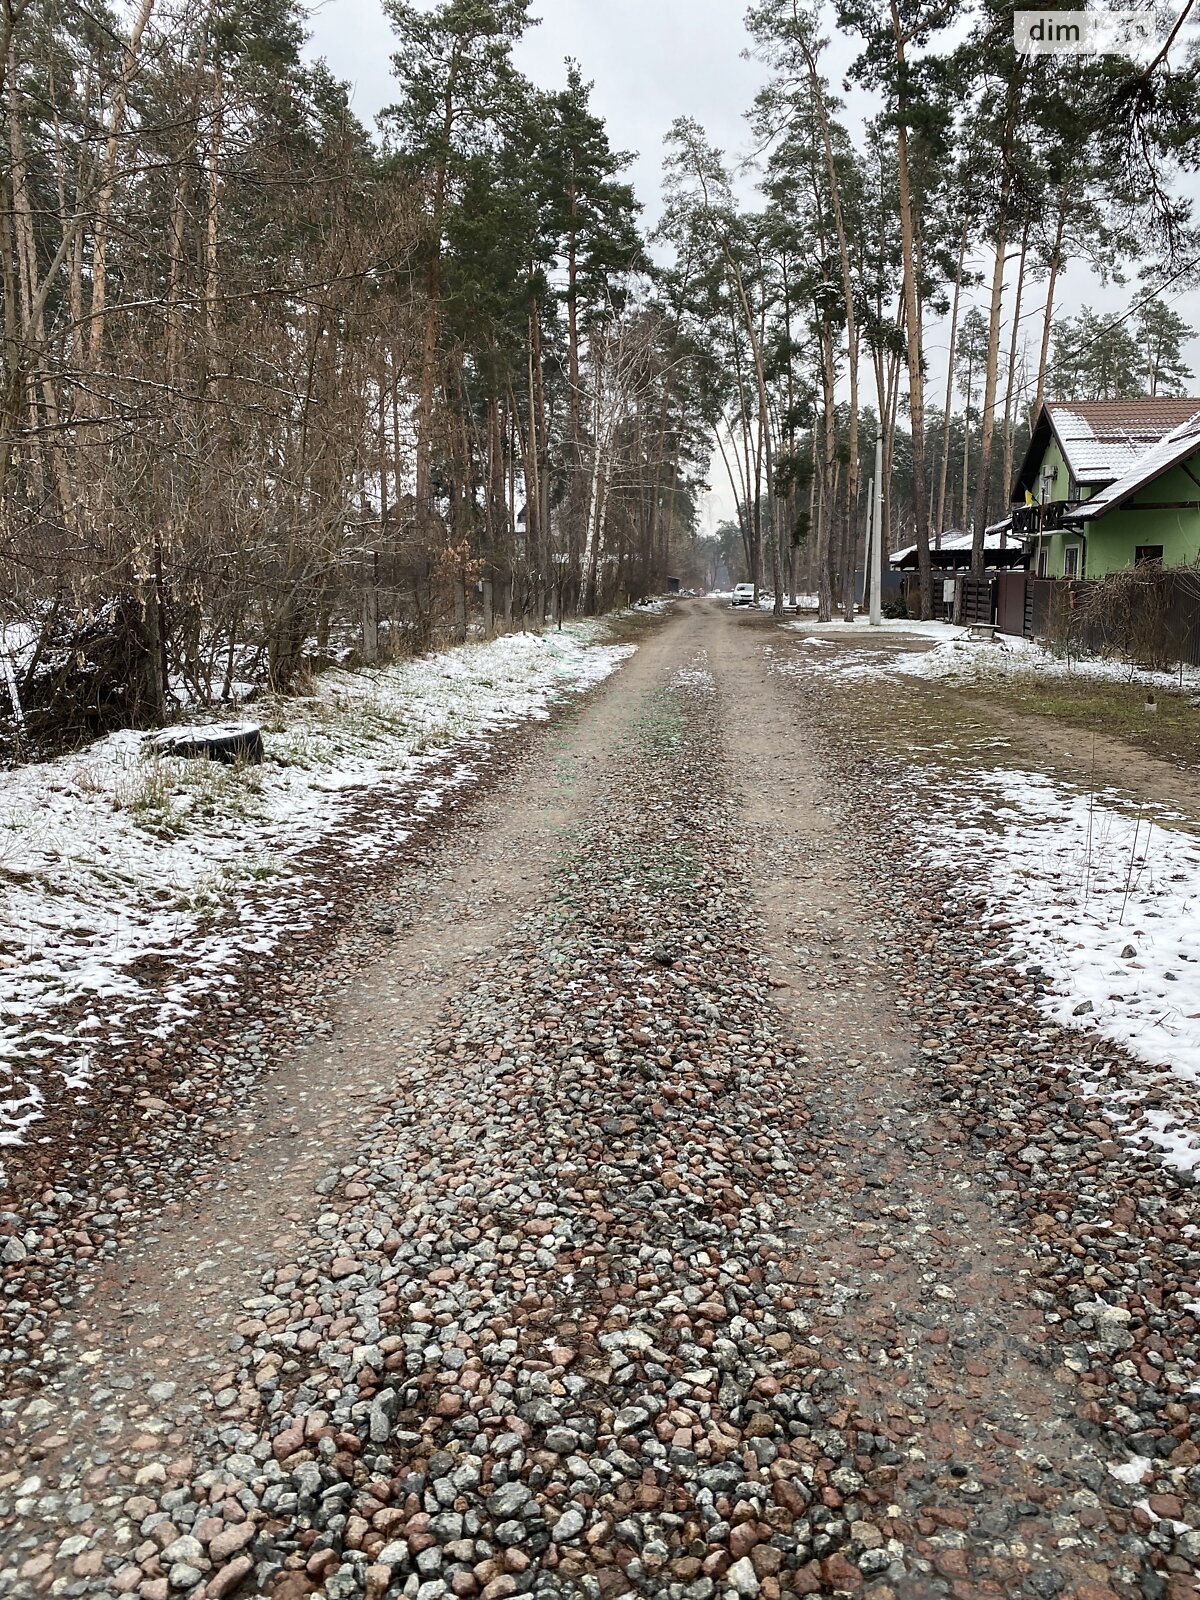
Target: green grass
168,797
1116,709
209,896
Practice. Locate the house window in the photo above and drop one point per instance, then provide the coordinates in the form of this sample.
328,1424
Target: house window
1071,561
1146,553
1041,561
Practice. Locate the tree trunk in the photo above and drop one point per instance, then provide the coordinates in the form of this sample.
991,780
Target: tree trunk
764,424
817,87
100,220
25,268
944,465
915,352
545,573
1048,314
533,489
825,531
433,295
1010,379
986,422
591,550
212,230
966,457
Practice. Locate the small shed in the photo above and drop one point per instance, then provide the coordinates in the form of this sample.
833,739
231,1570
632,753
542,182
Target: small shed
950,559
952,553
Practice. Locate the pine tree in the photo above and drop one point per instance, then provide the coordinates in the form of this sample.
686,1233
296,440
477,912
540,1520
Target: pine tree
1162,333
457,82
895,60
1096,358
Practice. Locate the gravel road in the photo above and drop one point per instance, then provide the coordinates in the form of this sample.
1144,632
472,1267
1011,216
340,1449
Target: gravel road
640,1223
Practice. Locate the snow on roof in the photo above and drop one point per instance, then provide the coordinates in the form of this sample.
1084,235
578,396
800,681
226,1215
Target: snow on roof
1101,439
1180,443
955,539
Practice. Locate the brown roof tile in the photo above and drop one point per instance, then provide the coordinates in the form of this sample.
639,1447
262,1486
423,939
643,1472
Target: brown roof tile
1157,413
1102,439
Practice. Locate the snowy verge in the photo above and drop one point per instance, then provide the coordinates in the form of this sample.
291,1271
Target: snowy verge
963,660
887,627
131,882
1104,899
1097,896
955,657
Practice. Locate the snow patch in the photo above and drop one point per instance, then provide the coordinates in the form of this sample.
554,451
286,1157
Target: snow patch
1131,1471
1105,898
133,883
956,657
861,628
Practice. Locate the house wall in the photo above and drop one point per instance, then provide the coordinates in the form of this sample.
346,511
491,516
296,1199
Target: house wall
1055,546
1112,541
1060,488
1064,487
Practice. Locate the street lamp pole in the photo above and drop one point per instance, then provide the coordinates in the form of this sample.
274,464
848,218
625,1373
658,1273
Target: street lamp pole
877,536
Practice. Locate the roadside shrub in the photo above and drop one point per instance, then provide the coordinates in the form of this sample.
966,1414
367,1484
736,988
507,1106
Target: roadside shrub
1128,614
93,670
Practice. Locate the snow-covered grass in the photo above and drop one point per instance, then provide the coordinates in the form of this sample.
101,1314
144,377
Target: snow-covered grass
1104,896
956,657
131,882
766,599
804,602
861,629
1099,890
963,660
866,652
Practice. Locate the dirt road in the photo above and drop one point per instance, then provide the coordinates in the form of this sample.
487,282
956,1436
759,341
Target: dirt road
631,1231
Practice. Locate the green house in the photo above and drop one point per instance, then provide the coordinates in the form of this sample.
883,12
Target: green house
1106,484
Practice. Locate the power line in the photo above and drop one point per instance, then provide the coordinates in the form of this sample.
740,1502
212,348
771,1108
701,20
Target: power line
1138,305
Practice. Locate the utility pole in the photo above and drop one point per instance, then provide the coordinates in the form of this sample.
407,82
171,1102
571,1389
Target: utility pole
877,535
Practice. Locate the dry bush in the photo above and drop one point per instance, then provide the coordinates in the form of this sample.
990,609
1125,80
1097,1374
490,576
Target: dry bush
1128,614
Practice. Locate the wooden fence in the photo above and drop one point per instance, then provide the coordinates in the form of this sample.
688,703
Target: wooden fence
1151,616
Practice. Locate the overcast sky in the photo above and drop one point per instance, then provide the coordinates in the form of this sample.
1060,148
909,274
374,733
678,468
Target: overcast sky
652,61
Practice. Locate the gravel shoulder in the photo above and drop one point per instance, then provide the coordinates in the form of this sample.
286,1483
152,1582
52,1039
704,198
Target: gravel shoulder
145,1288
656,1222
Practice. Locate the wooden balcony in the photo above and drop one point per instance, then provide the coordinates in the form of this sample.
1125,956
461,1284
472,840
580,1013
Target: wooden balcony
1030,521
